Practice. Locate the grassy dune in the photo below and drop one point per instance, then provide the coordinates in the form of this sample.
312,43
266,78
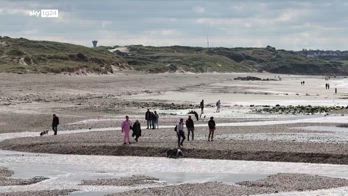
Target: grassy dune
197,59
27,56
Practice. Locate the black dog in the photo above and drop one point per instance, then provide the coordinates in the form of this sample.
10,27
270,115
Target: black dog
174,153
194,113
44,133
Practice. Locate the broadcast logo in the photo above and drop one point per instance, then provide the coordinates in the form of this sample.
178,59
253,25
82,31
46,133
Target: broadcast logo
44,13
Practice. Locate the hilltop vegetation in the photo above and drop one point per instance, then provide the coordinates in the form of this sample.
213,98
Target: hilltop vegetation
197,59
27,56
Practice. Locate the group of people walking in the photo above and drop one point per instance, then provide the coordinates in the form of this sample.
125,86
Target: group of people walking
327,86
151,119
201,106
152,123
127,126
180,131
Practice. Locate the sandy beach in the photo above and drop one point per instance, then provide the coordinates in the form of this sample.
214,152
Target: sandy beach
92,107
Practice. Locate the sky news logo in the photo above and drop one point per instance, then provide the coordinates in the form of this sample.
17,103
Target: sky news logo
44,13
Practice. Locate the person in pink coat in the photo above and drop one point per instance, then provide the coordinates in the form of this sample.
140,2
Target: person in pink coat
125,129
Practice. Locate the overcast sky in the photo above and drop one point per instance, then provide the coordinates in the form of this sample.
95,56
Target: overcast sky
229,23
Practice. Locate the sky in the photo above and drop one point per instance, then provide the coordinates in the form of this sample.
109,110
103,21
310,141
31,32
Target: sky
284,24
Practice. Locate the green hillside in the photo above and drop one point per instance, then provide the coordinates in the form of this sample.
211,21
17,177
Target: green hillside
27,56
196,59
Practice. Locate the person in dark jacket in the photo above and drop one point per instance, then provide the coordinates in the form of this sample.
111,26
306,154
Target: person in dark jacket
218,106
212,127
201,105
148,118
136,130
153,120
156,118
55,123
190,128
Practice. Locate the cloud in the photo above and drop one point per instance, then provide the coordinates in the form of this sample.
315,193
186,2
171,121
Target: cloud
163,32
288,24
198,9
14,11
286,16
106,23
161,20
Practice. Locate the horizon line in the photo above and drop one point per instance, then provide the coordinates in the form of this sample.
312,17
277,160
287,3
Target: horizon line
193,46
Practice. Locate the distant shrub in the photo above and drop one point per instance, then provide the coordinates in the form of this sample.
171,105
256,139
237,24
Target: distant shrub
97,61
158,69
172,67
78,57
15,52
58,57
81,57
39,59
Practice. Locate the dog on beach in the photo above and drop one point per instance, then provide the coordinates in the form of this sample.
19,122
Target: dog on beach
44,133
175,153
194,113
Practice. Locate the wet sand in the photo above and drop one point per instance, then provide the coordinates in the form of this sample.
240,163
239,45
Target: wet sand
123,181
39,193
157,142
272,184
5,173
6,180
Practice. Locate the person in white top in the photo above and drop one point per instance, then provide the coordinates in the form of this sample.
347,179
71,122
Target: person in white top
179,128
